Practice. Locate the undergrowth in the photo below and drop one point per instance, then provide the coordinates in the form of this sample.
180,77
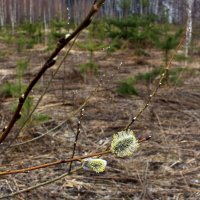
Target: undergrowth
139,31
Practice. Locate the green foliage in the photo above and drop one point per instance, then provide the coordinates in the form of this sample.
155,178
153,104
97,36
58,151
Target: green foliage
142,31
7,38
56,35
126,87
57,26
91,46
20,42
15,89
22,66
2,54
114,45
6,35
166,39
30,43
181,57
89,68
145,3
150,76
39,117
9,90
136,29
141,52
29,28
98,29
31,33
174,76
125,5
28,35
35,119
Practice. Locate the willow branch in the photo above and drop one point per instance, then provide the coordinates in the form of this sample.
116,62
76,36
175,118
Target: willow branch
49,63
69,115
78,158
163,76
41,97
70,160
76,138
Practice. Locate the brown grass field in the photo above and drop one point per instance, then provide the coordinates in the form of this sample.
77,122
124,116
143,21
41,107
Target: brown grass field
167,167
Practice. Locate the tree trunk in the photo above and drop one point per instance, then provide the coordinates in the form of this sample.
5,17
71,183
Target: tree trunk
189,26
31,11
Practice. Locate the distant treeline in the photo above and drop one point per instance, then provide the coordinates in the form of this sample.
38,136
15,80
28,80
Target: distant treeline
16,11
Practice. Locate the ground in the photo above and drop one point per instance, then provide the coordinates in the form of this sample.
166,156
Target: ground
165,167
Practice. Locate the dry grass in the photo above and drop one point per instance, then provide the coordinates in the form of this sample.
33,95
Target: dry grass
166,167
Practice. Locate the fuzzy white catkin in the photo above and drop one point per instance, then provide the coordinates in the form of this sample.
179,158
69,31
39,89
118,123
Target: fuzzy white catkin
124,143
94,164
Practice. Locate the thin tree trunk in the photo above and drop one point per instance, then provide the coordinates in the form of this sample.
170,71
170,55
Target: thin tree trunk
12,16
2,15
189,26
31,12
141,7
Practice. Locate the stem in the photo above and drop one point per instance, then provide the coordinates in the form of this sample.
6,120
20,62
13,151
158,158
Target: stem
49,63
39,100
76,138
163,75
79,158
70,160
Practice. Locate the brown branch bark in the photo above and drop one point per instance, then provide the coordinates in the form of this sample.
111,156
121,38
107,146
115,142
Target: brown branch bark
79,158
49,63
70,160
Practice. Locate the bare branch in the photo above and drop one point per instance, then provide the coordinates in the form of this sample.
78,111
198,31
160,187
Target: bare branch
49,63
76,138
70,160
163,75
78,158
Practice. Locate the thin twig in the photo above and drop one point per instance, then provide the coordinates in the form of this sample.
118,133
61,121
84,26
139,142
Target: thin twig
163,75
40,136
76,138
41,97
39,185
78,158
69,115
49,63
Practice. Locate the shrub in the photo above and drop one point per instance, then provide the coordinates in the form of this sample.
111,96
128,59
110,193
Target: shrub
98,30
136,29
91,46
9,90
89,67
126,87
166,40
148,77
15,89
